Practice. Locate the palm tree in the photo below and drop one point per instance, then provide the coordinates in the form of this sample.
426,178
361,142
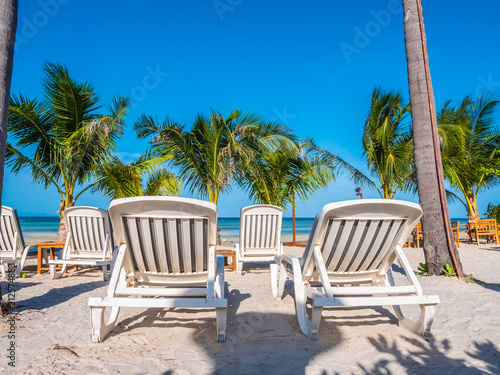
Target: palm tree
8,20
387,143
465,157
439,247
277,177
61,138
209,154
145,176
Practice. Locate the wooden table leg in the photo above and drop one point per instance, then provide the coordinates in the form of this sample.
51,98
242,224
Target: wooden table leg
39,263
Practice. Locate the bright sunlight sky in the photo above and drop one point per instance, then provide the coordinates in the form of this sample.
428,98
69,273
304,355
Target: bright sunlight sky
312,65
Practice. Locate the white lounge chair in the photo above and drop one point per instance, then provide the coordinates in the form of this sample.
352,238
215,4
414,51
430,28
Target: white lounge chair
166,256
260,235
88,242
12,247
347,262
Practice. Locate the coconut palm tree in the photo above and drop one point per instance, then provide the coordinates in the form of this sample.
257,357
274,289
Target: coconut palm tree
439,247
466,157
210,153
62,137
145,176
387,143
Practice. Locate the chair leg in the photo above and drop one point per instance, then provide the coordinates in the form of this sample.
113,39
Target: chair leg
422,325
315,320
53,272
221,316
278,279
105,272
99,328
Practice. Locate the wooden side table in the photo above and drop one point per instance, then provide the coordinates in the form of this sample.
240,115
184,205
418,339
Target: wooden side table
46,245
226,254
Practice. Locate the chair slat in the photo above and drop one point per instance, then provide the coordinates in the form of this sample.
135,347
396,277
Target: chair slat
378,241
161,245
135,243
186,245
199,245
353,250
389,243
371,228
148,245
341,247
92,226
332,235
173,245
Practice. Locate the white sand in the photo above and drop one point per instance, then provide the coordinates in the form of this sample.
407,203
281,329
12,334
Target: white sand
53,334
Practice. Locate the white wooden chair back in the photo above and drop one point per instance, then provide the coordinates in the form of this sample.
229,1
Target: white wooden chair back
357,238
167,238
89,232
11,237
260,230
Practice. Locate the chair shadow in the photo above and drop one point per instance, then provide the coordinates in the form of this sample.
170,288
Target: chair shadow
57,296
431,356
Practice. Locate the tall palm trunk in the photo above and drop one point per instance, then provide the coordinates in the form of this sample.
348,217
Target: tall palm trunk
8,25
439,247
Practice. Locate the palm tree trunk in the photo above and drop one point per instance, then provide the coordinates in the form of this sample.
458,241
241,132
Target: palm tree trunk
8,26
439,247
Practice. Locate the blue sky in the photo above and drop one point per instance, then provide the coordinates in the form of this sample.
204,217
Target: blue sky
312,65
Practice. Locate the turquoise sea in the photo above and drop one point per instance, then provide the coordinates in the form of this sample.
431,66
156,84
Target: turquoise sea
230,226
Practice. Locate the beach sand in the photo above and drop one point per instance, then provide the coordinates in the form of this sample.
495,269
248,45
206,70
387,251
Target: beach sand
263,336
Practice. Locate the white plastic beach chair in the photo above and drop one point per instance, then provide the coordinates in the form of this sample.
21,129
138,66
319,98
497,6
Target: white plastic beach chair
88,242
347,262
166,256
12,247
260,235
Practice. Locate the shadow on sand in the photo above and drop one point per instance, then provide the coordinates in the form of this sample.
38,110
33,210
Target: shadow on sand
57,296
430,357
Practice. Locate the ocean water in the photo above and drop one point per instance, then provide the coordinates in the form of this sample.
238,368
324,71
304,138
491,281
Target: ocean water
229,226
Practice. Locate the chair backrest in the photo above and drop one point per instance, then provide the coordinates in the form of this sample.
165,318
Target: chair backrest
260,227
9,227
486,226
167,236
88,227
359,237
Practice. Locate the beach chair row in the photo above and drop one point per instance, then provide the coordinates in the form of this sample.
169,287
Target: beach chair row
166,257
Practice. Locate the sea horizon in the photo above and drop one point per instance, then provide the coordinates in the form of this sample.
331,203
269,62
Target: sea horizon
33,226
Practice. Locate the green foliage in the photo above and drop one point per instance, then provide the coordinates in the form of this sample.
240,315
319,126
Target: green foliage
145,176
275,177
448,270
470,144
62,138
493,212
387,143
422,269
214,149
